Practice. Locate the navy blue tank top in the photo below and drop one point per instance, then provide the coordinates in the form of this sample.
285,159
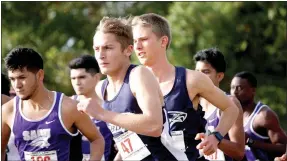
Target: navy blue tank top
182,116
125,102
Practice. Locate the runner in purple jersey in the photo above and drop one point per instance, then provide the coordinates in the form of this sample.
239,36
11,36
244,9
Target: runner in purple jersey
41,119
263,133
181,88
85,74
212,63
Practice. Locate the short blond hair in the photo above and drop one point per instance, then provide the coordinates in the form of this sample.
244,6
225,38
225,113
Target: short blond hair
119,27
159,24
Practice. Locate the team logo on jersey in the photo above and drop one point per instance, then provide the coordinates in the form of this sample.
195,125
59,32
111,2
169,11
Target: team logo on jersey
176,116
39,137
116,130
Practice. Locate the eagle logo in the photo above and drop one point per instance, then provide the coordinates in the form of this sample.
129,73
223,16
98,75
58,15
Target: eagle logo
176,116
41,142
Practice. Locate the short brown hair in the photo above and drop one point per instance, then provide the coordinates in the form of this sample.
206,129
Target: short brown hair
159,24
119,27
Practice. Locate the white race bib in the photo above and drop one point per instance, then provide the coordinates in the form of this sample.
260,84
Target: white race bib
178,140
41,156
131,146
217,155
169,143
86,157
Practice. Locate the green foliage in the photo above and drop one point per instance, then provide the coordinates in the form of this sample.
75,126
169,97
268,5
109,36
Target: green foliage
60,31
252,36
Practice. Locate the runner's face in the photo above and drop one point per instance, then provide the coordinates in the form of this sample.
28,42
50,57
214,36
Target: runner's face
82,81
207,69
24,82
147,45
108,52
242,90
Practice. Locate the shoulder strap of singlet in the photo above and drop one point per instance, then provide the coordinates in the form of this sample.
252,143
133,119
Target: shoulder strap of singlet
75,97
181,73
126,80
103,88
15,112
127,76
58,99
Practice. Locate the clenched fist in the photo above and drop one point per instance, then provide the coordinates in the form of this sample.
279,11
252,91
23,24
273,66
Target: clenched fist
208,143
91,107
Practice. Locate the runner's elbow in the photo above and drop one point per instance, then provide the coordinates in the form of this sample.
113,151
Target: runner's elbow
240,155
156,130
99,139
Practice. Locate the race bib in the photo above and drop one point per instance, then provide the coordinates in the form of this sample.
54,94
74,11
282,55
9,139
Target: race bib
41,156
178,140
86,157
131,146
217,155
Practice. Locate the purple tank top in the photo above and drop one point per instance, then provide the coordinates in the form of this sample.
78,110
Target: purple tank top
44,139
105,131
212,123
253,153
213,118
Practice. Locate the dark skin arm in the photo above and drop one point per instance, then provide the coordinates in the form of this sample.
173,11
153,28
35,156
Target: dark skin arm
235,146
269,120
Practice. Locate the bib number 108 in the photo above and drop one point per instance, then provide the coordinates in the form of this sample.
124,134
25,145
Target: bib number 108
40,158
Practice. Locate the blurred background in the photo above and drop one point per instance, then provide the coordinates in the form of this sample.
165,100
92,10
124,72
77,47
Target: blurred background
251,35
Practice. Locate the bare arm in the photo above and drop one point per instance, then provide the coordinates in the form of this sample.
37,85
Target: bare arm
7,110
269,120
200,84
86,126
235,146
147,92
282,158
5,135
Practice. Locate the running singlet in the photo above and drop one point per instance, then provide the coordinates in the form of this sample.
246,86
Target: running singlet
133,146
44,139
